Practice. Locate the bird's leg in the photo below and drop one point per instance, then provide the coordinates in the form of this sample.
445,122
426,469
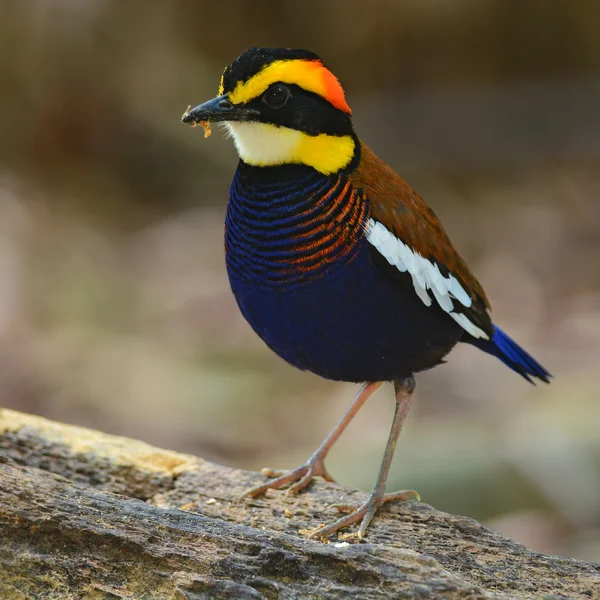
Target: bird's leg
301,476
365,512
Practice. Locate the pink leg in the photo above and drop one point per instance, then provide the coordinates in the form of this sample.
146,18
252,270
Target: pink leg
301,476
366,512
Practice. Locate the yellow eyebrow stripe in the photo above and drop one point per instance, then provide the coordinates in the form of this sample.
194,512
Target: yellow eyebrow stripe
310,75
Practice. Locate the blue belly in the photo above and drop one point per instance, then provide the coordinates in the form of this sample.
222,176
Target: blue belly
353,324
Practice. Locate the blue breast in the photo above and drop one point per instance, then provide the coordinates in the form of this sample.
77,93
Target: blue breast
303,274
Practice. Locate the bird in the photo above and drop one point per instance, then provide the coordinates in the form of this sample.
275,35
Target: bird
334,260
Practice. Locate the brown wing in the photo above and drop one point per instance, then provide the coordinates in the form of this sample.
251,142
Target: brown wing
397,206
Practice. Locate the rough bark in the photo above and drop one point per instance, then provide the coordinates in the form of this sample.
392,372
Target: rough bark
88,515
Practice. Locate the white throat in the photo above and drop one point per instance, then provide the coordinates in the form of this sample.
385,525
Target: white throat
262,144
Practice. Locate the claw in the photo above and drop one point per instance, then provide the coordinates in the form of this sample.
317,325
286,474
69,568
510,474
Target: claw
300,477
401,496
271,472
364,513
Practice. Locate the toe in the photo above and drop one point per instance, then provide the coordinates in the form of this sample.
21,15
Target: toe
301,484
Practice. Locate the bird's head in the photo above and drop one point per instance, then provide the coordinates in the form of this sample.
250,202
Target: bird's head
283,106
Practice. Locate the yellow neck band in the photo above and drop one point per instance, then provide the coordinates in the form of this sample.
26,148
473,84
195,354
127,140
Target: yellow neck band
262,144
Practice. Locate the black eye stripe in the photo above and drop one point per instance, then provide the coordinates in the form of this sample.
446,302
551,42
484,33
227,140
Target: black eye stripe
305,111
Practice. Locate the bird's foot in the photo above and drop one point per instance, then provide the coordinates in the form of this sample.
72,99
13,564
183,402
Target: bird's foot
300,477
364,513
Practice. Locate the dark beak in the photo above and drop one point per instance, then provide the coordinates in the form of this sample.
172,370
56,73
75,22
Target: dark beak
218,109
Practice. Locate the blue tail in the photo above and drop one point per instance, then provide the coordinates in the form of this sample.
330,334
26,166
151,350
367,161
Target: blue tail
512,355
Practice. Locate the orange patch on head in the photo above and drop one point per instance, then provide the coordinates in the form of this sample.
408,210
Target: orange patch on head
334,93
310,75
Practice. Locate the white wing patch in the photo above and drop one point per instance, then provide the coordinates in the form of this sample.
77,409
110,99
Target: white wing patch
425,275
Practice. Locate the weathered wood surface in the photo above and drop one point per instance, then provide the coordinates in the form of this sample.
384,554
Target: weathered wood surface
88,515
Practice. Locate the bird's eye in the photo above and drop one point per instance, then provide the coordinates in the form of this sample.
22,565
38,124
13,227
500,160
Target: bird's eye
276,96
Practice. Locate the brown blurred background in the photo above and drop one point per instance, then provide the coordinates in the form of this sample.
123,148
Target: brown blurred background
115,310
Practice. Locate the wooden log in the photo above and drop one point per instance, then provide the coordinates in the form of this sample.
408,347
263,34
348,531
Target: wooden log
89,515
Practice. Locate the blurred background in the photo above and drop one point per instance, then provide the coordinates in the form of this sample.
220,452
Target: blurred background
115,309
